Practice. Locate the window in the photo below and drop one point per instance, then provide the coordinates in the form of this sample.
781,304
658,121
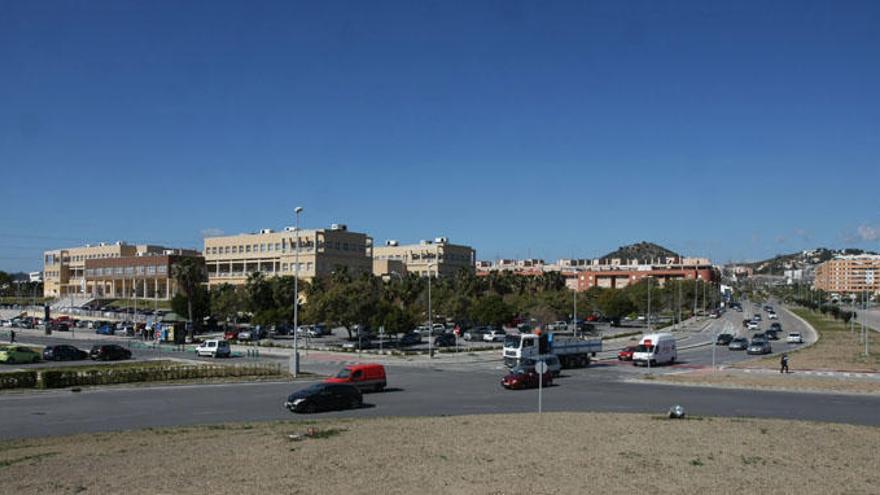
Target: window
262,248
283,267
269,247
151,270
162,269
248,248
140,270
129,270
118,270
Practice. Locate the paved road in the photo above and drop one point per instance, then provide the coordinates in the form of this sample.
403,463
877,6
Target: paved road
413,392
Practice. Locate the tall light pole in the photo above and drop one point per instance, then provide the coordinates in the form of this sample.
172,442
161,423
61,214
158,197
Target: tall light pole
297,211
430,314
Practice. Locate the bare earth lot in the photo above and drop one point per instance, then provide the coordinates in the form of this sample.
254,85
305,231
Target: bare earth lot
555,453
773,381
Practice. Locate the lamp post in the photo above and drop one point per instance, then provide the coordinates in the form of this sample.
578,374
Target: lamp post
297,211
430,314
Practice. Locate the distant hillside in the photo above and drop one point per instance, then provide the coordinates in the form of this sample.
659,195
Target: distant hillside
781,262
643,251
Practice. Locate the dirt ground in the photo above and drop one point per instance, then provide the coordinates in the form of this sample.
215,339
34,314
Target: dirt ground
774,381
837,349
558,453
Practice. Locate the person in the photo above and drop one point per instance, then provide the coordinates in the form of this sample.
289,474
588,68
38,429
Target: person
12,336
783,363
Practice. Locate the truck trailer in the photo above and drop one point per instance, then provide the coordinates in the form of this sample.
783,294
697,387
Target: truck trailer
572,352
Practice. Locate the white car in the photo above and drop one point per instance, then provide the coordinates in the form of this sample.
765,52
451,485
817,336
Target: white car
795,338
495,336
214,348
773,316
752,325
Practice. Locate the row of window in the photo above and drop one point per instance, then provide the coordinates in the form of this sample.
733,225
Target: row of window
51,259
281,247
127,270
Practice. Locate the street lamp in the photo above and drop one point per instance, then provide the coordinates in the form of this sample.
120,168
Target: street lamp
430,314
297,211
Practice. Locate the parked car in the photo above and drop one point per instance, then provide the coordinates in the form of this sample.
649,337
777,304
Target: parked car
325,397
759,336
63,353
494,336
756,317
475,333
738,344
366,377
772,316
106,330
724,339
358,343
409,338
18,354
231,334
445,340
214,348
246,334
109,352
759,347
794,338
626,354
521,377
753,325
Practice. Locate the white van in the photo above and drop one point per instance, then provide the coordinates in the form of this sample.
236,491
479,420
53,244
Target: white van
655,348
214,348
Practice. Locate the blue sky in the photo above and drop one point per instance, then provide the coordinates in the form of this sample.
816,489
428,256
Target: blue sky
543,129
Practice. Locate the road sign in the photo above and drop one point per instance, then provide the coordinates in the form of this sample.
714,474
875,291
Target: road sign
541,367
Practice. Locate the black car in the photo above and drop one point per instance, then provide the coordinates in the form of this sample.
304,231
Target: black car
109,352
771,334
63,353
325,397
411,338
724,339
776,326
759,337
445,340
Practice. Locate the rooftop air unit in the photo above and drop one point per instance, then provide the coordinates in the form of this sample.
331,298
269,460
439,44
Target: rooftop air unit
441,240
265,231
391,243
339,226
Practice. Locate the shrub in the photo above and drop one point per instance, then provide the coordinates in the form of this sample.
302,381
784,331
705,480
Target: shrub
114,375
18,379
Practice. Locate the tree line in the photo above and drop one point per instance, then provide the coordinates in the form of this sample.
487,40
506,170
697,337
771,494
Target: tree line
400,303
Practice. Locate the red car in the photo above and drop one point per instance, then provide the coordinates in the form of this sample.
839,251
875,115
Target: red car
522,377
593,317
231,334
626,354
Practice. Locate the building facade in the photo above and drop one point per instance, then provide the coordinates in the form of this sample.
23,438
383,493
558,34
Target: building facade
147,276
849,274
620,276
231,259
64,269
436,258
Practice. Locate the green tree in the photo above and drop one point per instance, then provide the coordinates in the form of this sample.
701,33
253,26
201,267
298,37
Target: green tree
614,303
197,305
189,273
226,302
492,310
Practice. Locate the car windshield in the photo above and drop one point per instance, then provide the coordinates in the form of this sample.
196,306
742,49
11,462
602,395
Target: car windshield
520,370
511,341
343,373
644,348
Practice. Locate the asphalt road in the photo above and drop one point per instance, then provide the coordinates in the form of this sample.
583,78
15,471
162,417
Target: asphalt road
412,392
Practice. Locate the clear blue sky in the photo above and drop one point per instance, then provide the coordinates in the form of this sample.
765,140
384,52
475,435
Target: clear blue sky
548,129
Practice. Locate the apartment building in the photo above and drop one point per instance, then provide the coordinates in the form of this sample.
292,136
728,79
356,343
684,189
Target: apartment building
437,258
64,270
620,276
143,276
849,274
231,259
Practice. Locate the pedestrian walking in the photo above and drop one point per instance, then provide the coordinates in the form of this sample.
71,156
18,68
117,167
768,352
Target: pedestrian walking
12,336
783,363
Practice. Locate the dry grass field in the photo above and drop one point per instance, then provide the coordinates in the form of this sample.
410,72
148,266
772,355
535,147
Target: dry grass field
773,381
837,349
510,454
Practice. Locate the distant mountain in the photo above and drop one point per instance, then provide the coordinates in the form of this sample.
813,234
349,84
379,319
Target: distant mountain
802,259
642,251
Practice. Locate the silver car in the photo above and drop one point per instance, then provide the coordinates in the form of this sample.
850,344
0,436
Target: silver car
759,347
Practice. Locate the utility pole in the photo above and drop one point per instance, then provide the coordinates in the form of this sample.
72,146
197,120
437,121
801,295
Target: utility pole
298,210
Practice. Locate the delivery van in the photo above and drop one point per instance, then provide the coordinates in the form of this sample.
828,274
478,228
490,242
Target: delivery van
654,349
366,377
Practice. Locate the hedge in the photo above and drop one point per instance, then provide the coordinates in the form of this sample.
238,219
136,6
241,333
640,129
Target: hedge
18,379
111,375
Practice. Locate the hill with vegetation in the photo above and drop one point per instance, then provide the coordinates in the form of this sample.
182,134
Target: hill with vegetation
801,259
642,251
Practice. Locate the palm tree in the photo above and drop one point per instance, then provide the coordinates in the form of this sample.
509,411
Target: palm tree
189,274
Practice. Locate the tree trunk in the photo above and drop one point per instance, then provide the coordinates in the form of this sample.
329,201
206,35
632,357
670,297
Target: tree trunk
192,324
